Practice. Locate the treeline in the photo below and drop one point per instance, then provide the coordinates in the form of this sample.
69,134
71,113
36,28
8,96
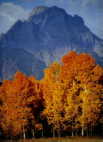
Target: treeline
67,101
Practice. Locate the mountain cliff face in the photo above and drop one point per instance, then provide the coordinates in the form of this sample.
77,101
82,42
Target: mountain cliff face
13,59
47,35
38,10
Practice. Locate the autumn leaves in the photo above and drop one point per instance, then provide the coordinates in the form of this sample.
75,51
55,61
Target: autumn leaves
20,102
69,98
73,92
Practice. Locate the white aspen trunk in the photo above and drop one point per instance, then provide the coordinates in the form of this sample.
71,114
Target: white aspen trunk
11,139
72,129
87,133
76,133
24,135
33,133
59,135
42,133
53,133
91,130
72,133
83,122
82,132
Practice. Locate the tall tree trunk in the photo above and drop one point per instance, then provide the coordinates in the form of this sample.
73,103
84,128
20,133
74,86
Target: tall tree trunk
91,131
82,131
42,133
76,133
33,133
24,135
53,133
59,135
87,132
11,139
72,133
72,129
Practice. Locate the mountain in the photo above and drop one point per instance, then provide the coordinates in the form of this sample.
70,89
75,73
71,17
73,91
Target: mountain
13,59
48,34
38,10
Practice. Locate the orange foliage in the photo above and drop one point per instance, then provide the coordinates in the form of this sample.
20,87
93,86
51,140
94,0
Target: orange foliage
20,98
73,96
69,97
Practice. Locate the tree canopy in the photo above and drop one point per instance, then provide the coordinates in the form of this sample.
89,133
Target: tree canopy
69,98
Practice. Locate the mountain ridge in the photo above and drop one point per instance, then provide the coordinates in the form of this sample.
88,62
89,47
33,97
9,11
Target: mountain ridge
50,33
38,10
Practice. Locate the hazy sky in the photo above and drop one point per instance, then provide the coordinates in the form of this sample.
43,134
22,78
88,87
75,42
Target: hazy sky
90,10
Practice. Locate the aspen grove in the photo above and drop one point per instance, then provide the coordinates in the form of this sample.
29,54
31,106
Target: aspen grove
68,100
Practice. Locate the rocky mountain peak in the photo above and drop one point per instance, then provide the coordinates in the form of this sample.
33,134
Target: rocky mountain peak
38,10
45,37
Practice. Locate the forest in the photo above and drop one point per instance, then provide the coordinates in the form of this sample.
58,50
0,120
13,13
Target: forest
67,101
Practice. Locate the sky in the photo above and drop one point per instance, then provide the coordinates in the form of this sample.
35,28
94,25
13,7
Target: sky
90,10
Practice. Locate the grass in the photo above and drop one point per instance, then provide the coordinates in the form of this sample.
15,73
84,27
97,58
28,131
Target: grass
68,139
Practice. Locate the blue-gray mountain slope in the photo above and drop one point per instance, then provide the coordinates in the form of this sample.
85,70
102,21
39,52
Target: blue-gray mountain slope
47,35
